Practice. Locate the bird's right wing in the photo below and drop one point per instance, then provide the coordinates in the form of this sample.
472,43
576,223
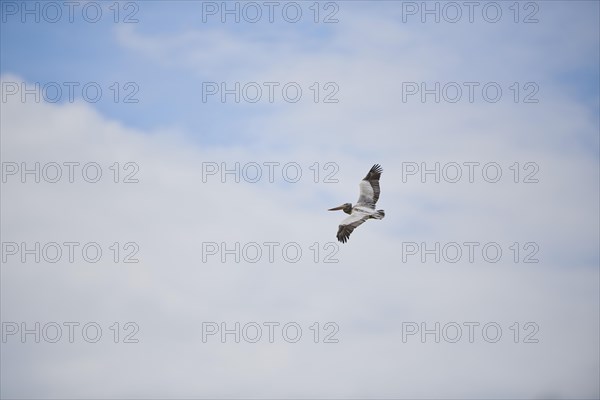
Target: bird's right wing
349,224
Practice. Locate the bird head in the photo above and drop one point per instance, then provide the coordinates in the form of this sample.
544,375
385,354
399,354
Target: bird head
346,207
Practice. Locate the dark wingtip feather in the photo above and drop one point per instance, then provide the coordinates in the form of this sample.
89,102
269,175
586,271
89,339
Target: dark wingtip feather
342,234
374,172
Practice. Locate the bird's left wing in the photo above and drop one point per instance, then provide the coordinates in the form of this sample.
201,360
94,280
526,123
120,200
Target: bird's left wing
349,224
369,187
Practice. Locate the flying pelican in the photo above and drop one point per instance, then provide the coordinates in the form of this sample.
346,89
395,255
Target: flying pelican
365,206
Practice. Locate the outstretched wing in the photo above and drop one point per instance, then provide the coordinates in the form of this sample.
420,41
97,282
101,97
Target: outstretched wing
349,224
369,188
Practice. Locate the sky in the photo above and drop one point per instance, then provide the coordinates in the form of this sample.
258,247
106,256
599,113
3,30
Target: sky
167,168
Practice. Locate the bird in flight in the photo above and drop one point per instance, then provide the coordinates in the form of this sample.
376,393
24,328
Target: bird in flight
364,208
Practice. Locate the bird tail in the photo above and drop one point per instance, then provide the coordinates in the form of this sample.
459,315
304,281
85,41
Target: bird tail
380,214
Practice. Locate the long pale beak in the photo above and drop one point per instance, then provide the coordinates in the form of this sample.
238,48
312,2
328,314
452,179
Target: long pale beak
337,208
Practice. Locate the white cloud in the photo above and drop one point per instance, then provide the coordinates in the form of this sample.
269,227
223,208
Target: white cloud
170,292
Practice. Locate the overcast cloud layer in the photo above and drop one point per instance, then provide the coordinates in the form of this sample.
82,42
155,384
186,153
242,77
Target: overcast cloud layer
376,291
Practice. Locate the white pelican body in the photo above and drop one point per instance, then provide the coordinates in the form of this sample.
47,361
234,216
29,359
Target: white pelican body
365,206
